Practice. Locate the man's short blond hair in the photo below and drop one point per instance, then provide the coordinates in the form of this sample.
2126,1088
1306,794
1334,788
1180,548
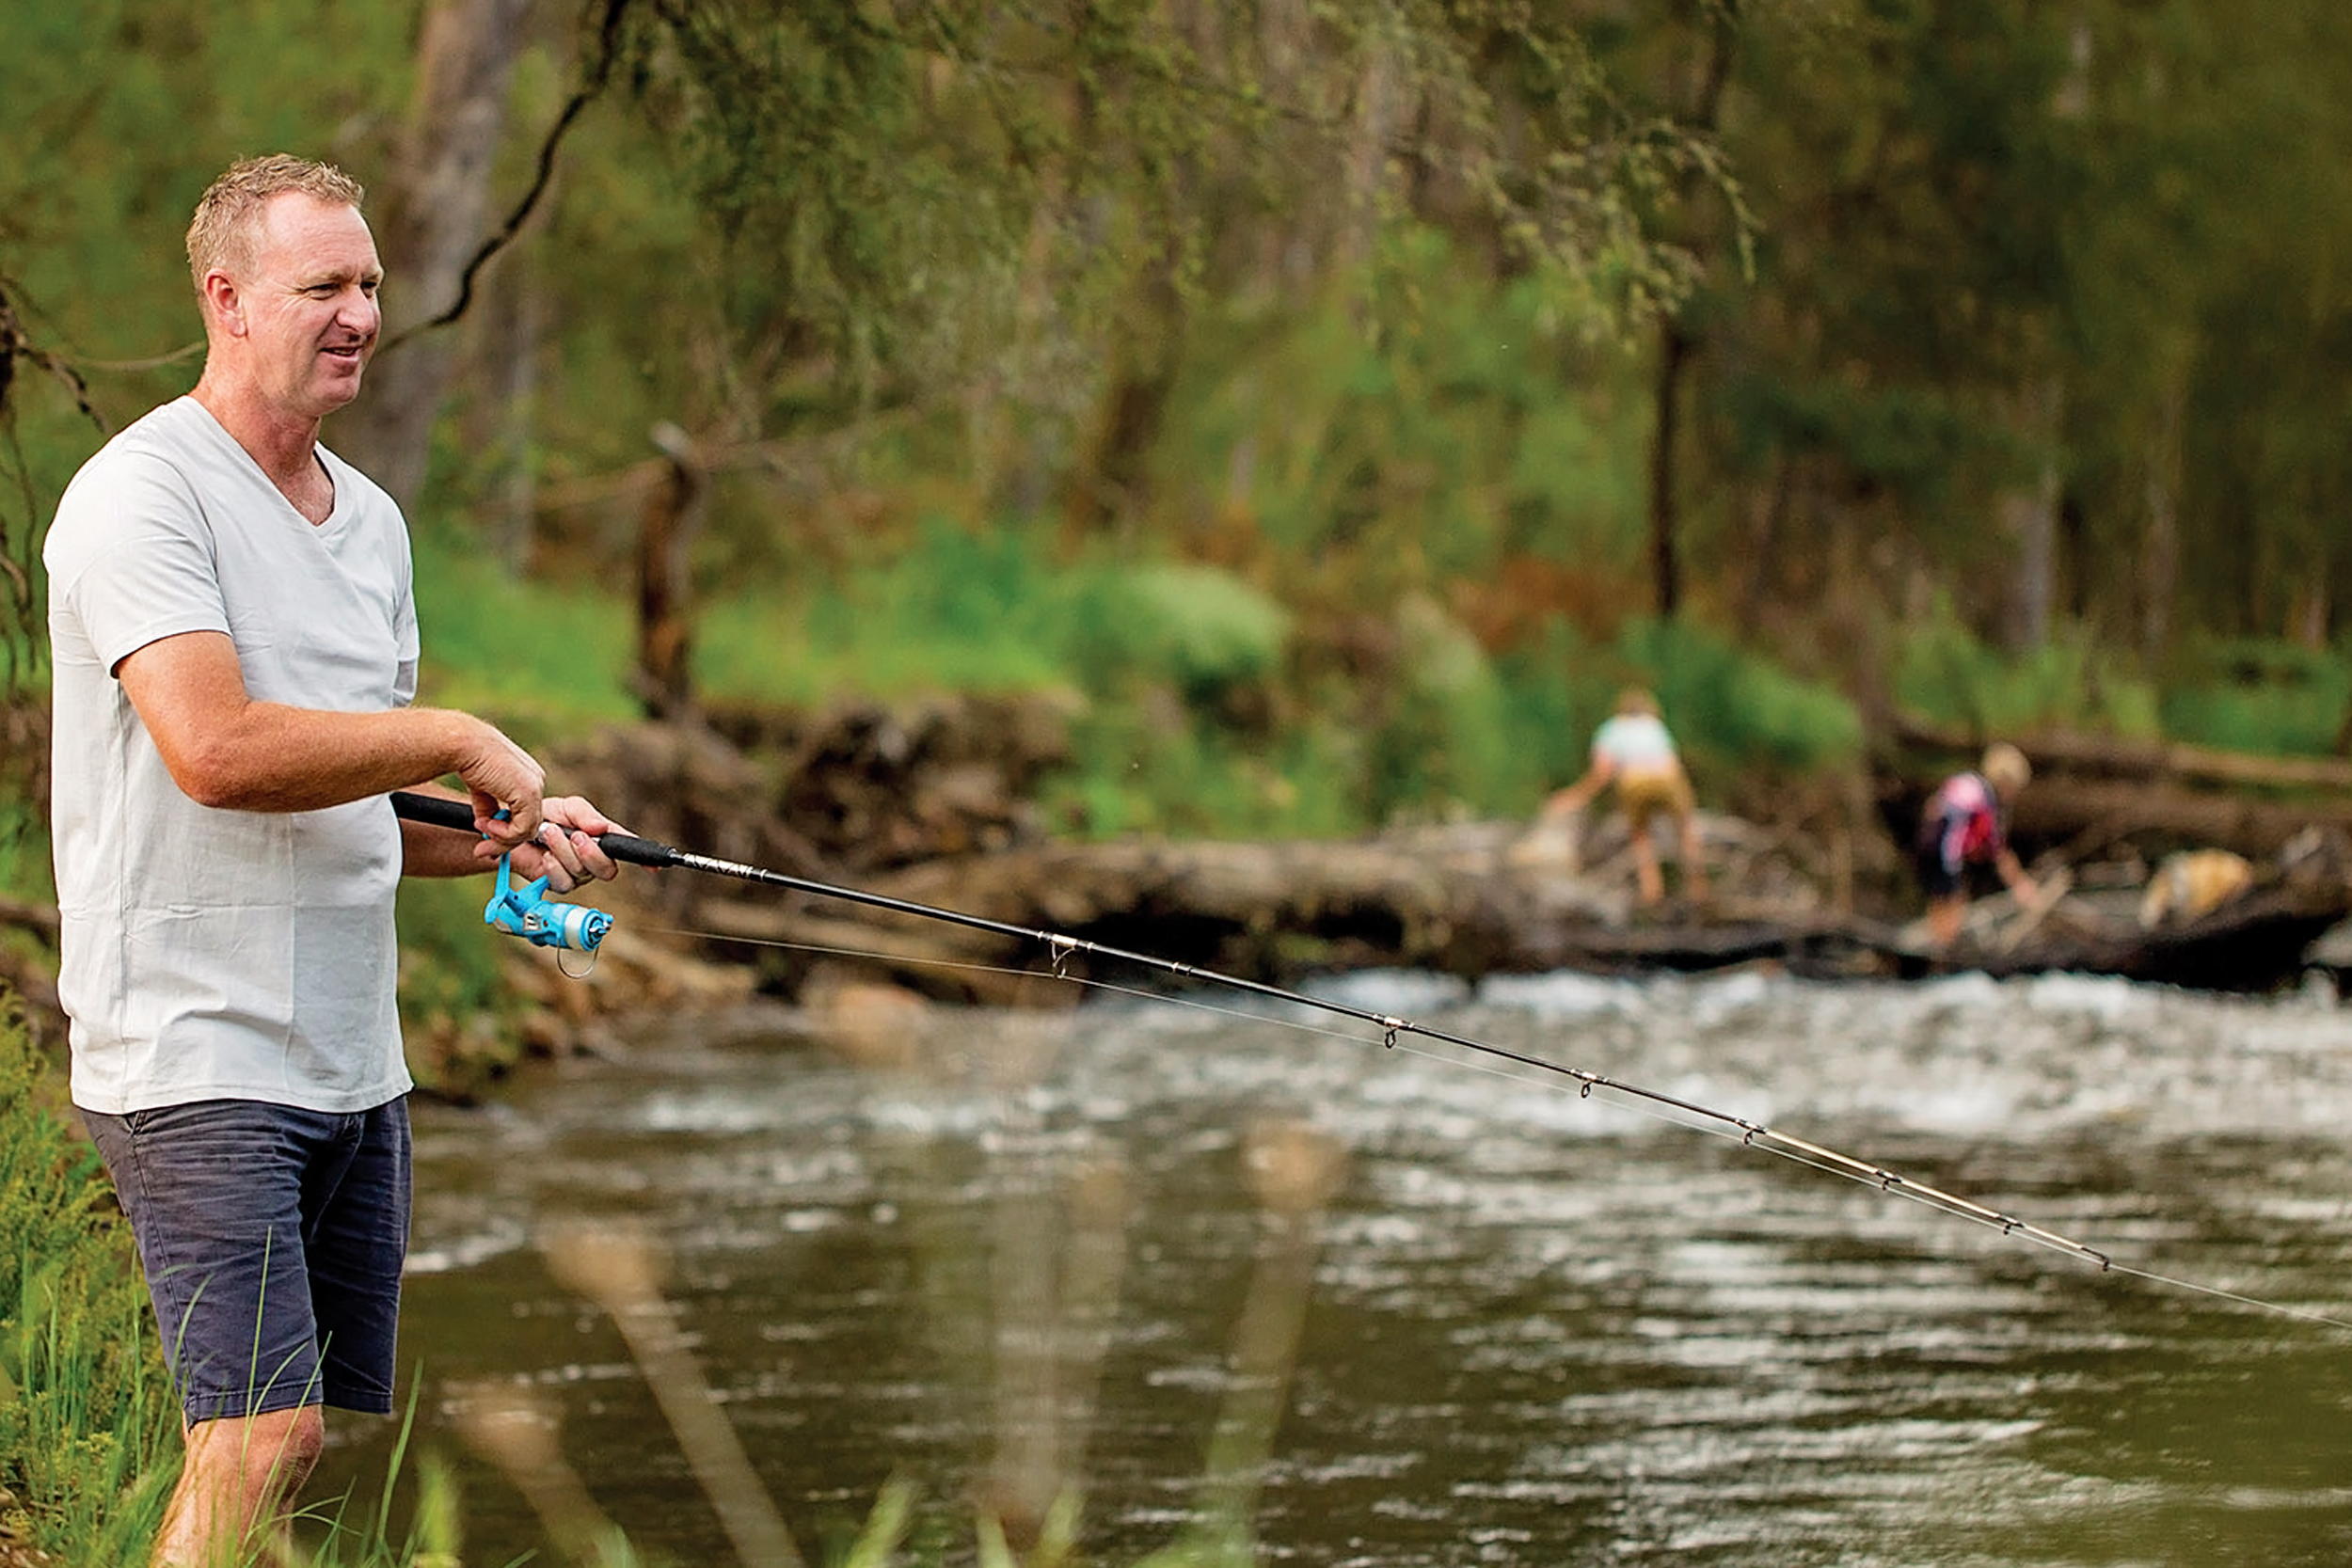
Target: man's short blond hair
227,215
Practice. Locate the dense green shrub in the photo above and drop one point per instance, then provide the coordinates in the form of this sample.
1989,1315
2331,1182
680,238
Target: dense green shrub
951,608
1202,631
1944,673
1736,710
1732,713
1442,736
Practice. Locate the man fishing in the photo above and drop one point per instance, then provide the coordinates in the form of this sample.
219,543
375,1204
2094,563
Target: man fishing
235,655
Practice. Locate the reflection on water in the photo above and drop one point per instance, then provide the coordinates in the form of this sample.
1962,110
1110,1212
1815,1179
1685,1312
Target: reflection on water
1530,1327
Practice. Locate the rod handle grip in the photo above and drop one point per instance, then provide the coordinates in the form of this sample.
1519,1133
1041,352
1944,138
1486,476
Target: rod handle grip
439,812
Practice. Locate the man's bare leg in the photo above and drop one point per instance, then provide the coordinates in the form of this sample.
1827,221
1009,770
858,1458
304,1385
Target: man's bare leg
241,1474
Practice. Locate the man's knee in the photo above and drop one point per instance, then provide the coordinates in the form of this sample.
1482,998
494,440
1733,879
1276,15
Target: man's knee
287,1444
305,1439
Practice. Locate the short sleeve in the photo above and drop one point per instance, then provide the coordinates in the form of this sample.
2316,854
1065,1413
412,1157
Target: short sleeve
131,560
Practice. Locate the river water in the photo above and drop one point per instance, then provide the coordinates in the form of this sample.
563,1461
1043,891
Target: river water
1383,1306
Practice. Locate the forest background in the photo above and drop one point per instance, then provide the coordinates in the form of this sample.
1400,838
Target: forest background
1330,405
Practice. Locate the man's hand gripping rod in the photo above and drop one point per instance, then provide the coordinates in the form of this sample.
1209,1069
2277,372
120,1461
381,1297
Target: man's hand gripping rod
524,910
510,909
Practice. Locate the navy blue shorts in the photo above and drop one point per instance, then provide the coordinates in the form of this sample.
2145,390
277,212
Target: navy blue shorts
272,1239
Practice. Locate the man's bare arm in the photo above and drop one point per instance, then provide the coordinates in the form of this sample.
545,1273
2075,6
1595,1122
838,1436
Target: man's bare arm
226,750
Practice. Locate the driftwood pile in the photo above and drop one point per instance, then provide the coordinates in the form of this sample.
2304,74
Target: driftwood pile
851,790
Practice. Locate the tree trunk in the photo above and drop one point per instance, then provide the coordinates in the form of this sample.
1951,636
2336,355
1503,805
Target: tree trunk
1665,565
1768,510
665,608
517,382
1110,484
435,208
1676,345
2030,517
2160,546
1377,111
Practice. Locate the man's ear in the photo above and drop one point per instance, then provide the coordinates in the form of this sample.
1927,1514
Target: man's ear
223,305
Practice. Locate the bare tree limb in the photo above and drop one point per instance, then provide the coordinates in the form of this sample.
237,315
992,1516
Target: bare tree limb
592,85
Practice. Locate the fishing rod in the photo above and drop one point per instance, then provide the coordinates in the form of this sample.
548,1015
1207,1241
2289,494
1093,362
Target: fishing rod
526,911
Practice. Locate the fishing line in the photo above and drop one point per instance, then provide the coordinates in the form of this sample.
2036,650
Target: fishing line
559,925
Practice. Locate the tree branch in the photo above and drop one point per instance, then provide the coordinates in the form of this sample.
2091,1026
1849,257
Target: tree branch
591,87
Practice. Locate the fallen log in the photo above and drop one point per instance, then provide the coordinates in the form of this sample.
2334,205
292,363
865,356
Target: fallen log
2257,943
1442,899
1457,901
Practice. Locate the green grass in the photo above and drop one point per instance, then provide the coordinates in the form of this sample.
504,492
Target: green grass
88,1426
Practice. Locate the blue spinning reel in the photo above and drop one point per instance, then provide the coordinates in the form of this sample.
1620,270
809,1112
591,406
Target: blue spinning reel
525,910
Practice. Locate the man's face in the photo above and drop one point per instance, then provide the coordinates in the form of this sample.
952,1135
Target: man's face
309,304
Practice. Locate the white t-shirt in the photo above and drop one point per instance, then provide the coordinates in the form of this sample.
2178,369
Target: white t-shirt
211,954
1636,742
